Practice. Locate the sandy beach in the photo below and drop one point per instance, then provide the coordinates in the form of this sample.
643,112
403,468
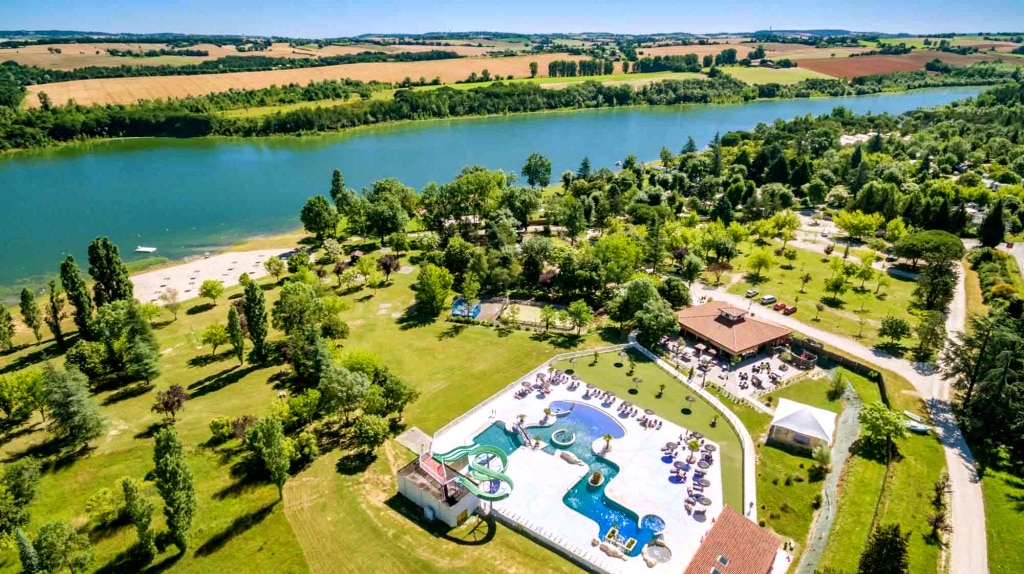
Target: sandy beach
188,276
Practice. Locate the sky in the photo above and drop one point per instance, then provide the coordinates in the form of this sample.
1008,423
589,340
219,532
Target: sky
333,18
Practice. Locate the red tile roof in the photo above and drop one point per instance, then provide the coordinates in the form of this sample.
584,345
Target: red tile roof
746,547
737,336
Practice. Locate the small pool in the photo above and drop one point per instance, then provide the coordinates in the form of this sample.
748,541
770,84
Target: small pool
652,522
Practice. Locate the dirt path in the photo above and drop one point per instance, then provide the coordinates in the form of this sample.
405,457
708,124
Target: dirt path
968,548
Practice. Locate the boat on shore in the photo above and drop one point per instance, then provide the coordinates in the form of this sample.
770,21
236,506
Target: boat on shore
142,249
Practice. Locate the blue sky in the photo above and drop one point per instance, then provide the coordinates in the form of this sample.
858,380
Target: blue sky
327,18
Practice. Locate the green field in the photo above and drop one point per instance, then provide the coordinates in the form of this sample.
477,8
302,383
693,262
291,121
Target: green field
778,76
336,504
610,78
1004,520
841,316
259,111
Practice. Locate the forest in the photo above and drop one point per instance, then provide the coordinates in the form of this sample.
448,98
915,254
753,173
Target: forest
195,117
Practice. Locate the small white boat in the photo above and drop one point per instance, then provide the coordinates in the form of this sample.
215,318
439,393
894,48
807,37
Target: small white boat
141,249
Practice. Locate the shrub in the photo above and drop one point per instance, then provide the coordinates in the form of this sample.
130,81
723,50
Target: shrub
105,507
334,327
221,429
306,449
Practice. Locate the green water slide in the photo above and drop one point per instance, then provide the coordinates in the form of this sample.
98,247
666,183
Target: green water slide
480,472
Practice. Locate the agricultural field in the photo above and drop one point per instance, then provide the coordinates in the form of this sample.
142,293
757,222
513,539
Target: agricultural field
129,90
756,75
881,64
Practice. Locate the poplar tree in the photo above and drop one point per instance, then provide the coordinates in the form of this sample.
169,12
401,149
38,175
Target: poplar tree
255,310
30,313
174,482
236,335
55,313
139,511
267,438
78,294
109,272
27,553
6,328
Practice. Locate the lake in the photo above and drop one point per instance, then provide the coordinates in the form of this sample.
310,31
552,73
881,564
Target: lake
189,196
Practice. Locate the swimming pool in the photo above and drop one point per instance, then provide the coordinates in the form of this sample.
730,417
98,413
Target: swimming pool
495,435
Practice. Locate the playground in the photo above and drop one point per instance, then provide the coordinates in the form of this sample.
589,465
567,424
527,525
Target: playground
612,486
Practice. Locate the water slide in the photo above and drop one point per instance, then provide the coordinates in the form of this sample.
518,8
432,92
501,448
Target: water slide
480,472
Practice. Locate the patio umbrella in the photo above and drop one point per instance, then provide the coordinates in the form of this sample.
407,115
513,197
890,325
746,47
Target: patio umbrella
649,411
638,380
679,464
590,385
574,360
670,445
705,501
527,384
629,404
710,448
703,465
690,398
611,394
622,353
699,346
697,435
712,352
704,482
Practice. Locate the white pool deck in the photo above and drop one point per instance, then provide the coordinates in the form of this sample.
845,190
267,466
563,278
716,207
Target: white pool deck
642,485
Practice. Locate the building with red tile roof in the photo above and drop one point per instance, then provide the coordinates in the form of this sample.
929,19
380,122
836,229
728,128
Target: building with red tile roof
731,330
735,545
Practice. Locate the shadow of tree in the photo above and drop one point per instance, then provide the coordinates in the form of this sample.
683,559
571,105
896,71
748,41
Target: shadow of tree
238,526
219,380
453,330
131,560
128,392
413,320
37,356
151,430
355,462
755,280
199,308
207,359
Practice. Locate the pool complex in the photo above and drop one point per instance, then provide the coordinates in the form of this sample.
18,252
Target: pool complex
588,424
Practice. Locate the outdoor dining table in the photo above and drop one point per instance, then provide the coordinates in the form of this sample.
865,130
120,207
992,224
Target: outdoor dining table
703,465
704,482
710,448
670,445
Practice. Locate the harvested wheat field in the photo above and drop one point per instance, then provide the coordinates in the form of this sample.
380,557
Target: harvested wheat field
129,90
83,55
868,65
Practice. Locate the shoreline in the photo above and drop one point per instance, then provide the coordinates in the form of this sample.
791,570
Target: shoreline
13,153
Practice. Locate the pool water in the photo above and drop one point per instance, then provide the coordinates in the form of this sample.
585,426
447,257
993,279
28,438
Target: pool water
496,436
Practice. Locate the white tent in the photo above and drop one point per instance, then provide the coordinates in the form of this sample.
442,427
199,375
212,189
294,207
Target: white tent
805,419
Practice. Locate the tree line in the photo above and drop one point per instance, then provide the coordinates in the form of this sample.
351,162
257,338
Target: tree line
573,68
157,52
192,117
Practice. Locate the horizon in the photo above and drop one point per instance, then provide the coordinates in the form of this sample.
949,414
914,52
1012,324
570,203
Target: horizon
325,19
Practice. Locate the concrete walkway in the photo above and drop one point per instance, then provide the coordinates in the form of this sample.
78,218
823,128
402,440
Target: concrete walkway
847,431
968,548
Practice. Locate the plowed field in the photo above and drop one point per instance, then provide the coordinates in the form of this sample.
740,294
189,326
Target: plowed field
868,65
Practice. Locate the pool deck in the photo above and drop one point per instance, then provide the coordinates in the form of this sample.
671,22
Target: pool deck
542,479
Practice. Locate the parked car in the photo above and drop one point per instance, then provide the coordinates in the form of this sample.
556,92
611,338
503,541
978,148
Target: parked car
824,233
779,306
890,259
752,293
789,310
768,299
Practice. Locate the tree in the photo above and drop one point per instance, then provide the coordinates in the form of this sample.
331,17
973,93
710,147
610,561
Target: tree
78,295
936,285
236,335
894,328
109,273
580,315
298,307
836,285
931,332
398,394
548,317
992,229
722,211
211,289
55,312
470,289
620,256
267,438
631,298
691,268
533,69
319,217
433,287
881,424
886,552
858,224
760,259
275,266
254,310
171,401
174,483
139,511
60,546
717,268
655,320
215,335
804,280
371,431
6,328
74,415
388,264
572,217
675,292
895,230
30,313
537,169
30,562
342,391
385,216
931,245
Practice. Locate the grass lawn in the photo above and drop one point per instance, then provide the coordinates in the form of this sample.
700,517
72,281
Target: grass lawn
975,300
841,316
610,374
260,111
756,75
332,508
616,78
1004,520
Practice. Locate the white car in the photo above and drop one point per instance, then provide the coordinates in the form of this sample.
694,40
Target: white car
768,299
752,293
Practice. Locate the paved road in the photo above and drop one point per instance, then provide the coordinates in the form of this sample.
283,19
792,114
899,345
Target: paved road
968,549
